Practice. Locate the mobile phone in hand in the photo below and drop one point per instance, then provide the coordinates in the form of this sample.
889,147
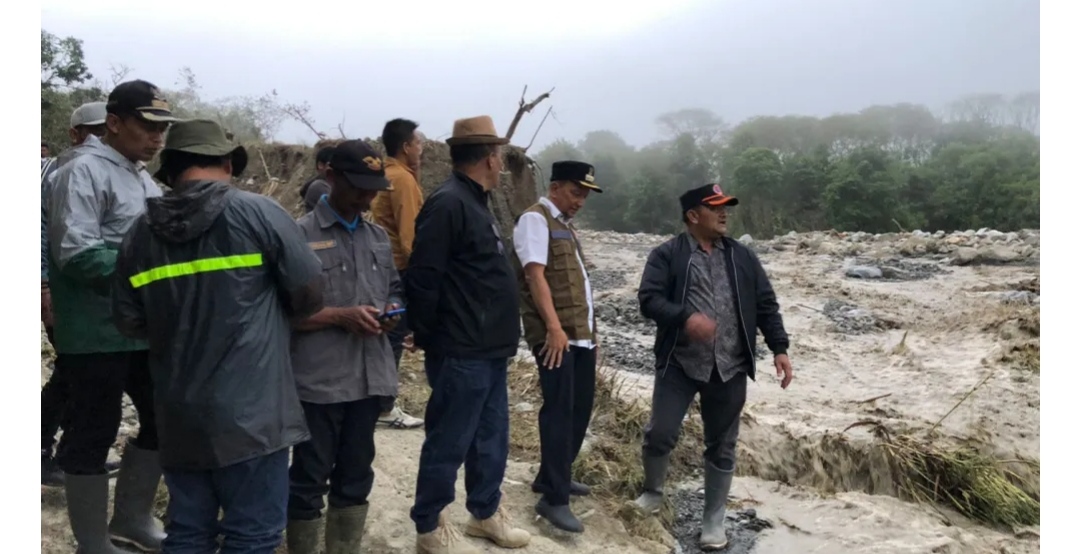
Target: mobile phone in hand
391,313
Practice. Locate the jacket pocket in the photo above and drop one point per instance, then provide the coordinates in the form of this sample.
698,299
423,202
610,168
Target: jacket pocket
336,274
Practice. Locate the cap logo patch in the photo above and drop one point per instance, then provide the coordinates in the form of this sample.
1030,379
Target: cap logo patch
716,190
373,163
589,177
159,104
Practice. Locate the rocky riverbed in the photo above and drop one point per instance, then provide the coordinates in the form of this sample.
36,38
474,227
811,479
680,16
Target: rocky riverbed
896,328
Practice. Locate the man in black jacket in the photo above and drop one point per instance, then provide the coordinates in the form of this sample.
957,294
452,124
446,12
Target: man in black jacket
211,277
708,295
461,296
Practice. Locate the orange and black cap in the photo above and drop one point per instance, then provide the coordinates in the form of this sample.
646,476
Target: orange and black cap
360,164
708,195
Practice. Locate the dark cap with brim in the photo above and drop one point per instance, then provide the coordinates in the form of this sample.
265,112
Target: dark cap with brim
708,195
575,172
142,99
205,138
360,164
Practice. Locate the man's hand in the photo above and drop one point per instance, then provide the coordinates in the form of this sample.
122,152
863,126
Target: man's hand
390,322
360,320
555,345
700,328
783,369
46,305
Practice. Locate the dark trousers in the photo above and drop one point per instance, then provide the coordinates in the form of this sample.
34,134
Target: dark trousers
467,420
96,384
54,398
251,496
397,345
337,459
568,400
721,406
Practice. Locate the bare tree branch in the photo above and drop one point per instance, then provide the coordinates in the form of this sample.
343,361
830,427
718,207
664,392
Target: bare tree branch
538,127
118,72
299,112
524,108
341,127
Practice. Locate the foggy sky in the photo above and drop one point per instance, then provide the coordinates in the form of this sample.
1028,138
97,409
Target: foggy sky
612,70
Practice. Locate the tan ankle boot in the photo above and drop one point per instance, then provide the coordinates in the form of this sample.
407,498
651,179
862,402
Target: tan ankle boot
445,539
499,530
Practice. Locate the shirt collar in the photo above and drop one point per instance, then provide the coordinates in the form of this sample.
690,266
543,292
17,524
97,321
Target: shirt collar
394,162
555,212
327,217
472,185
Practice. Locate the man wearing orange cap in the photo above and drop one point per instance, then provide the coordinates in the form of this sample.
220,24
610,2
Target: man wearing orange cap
708,295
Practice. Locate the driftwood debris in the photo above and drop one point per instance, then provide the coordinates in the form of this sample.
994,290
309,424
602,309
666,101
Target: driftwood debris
524,108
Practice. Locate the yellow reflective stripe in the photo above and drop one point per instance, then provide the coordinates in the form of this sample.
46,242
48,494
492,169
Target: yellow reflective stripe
197,266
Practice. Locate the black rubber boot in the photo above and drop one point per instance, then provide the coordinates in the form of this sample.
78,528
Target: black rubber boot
133,521
87,506
717,487
559,516
345,529
302,536
652,497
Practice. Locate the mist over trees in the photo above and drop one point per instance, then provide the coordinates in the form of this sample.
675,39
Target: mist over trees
973,164
885,168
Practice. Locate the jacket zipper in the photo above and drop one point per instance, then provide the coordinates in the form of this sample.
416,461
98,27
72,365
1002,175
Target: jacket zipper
686,285
738,303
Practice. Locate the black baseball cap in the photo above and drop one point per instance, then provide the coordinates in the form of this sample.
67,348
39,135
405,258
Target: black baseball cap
577,172
708,195
141,99
361,165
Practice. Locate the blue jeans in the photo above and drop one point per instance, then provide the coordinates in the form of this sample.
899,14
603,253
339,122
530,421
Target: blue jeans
252,494
467,420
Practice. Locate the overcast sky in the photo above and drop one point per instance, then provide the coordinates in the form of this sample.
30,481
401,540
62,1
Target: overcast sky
613,66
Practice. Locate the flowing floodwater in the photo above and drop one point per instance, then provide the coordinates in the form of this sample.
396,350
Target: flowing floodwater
903,351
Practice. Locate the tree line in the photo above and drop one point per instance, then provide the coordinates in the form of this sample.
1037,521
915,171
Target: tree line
885,168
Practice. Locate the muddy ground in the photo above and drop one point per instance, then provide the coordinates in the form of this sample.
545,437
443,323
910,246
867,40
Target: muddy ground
895,328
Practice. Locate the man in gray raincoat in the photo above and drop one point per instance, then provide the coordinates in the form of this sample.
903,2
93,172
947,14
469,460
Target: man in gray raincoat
93,200
211,278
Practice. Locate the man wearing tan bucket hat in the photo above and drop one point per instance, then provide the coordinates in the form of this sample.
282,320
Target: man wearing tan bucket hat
461,296
210,277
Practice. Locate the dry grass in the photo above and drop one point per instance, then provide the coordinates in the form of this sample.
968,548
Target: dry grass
978,486
610,462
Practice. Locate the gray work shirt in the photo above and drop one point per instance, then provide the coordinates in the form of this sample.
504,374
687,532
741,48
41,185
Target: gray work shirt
333,365
710,293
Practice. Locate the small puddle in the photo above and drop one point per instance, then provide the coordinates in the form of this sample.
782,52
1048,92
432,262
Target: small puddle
743,526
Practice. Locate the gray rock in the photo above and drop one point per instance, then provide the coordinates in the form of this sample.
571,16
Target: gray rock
863,272
523,407
746,239
1025,297
986,255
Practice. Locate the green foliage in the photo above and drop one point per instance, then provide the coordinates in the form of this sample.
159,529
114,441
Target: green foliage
66,84
882,169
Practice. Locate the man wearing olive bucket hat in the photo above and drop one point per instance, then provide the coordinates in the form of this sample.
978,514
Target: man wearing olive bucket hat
210,277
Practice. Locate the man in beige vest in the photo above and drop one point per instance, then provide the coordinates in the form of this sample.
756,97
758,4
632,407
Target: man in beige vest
560,328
